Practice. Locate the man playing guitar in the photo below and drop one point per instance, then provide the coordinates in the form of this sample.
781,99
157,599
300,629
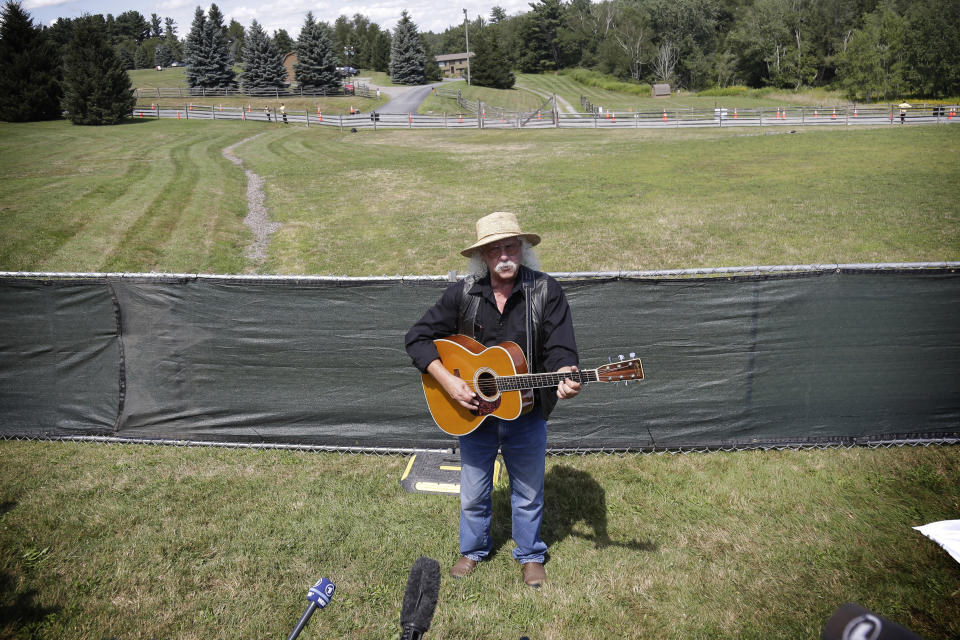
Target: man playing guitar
505,299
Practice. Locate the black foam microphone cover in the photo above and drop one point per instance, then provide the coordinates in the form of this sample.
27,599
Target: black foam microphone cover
853,622
420,598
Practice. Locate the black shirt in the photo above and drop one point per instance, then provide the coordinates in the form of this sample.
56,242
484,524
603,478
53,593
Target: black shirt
492,327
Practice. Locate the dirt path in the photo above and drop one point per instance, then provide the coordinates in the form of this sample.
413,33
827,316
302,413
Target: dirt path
257,219
562,104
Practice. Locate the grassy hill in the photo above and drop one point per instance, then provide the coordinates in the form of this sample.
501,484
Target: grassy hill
128,197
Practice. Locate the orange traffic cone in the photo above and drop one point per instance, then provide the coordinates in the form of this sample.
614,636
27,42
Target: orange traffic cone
778,113
178,114
141,114
834,116
459,117
191,107
854,112
613,116
664,115
735,112
409,118
815,114
539,117
319,115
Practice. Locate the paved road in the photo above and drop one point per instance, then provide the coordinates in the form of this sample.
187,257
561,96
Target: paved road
404,100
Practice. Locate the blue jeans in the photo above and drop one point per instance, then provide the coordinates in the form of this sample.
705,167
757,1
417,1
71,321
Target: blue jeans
523,443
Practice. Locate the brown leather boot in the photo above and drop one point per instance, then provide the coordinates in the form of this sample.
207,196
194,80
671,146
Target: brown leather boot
463,567
534,575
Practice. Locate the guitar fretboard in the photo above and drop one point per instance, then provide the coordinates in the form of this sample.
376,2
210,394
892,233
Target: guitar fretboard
539,380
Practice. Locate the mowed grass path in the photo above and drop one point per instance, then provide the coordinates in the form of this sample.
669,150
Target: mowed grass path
160,196
135,197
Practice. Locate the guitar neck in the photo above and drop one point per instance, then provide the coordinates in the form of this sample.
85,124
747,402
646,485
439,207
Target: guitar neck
539,380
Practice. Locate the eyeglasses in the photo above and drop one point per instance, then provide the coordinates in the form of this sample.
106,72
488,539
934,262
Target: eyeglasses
511,247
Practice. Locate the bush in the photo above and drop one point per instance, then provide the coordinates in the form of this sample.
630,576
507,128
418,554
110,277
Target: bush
723,92
599,80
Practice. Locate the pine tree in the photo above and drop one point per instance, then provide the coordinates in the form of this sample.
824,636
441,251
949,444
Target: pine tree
263,64
380,55
29,69
171,41
316,66
96,88
407,59
207,53
194,52
162,55
141,59
489,66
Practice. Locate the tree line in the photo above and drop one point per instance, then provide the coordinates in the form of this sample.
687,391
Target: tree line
869,49
78,68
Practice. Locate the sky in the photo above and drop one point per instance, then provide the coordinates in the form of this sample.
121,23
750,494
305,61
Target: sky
429,15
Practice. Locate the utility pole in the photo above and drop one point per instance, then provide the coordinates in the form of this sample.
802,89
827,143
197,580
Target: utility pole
466,33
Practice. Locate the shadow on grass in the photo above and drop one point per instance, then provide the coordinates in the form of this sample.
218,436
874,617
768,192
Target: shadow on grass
573,501
18,609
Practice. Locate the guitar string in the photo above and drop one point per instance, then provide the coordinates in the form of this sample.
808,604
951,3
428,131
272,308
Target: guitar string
551,379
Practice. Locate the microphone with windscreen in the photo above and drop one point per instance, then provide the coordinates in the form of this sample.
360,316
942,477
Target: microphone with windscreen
318,597
853,622
420,598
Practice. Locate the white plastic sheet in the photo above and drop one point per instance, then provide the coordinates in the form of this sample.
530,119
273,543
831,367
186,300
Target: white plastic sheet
946,533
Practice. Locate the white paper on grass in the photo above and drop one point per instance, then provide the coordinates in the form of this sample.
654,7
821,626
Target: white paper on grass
946,533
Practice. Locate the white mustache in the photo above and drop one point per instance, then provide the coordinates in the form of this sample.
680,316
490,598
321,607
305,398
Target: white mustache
506,265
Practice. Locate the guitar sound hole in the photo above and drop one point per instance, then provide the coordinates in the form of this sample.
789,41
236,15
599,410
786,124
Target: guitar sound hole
487,385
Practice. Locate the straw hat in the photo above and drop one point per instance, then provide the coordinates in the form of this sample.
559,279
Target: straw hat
498,226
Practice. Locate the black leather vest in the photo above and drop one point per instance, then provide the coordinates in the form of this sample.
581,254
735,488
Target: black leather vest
534,284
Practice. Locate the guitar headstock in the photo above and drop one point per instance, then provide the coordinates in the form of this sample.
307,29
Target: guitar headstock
621,370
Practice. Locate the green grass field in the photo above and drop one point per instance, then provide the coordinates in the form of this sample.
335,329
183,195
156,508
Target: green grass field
125,541
109,541
401,202
175,78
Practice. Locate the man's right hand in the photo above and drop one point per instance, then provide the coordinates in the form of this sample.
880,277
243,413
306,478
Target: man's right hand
456,388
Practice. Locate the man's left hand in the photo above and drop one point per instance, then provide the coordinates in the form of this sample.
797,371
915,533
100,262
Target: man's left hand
568,388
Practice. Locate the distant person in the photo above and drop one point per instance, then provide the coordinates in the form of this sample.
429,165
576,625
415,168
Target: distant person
903,115
283,112
378,93
266,110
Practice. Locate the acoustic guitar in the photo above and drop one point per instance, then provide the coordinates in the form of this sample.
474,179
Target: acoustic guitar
499,376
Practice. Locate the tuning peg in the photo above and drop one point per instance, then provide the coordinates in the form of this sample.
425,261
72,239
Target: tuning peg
621,356
632,355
